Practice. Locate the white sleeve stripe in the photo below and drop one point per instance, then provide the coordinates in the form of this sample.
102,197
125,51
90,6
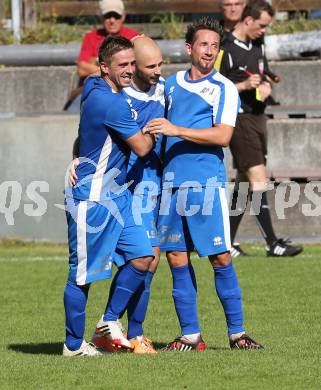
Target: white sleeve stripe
230,105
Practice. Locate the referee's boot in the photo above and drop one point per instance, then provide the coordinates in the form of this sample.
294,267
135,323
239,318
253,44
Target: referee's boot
282,248
237,251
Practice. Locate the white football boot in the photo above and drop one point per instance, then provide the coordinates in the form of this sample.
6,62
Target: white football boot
86,349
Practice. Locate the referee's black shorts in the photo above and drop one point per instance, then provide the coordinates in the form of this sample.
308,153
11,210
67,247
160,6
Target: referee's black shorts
249,144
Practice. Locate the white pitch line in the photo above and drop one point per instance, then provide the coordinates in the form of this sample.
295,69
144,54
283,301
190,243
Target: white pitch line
34,258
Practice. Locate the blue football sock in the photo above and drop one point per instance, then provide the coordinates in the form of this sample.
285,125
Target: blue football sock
137,308
112,289
128,281
230,295
184,295
75,300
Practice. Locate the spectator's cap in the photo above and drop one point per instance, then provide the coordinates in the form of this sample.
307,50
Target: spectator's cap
107,6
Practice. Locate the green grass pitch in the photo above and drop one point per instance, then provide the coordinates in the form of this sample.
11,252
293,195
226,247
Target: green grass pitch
282,305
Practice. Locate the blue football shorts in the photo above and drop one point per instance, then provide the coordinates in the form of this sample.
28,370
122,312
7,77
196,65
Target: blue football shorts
145,212
96,231
194,219
145,208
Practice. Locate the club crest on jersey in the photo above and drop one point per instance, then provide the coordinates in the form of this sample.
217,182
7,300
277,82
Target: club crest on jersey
169,97
132,110
207,90
134,114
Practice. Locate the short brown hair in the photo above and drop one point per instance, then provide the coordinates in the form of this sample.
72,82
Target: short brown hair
254,8
111,46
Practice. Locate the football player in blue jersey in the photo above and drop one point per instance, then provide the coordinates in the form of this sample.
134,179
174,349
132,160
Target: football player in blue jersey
145,97
98,206
202,106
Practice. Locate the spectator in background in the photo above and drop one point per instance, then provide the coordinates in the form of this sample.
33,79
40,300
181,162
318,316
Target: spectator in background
113,17
232,11
243,63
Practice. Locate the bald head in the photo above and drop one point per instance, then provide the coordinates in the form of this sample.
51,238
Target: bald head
146,50
149,62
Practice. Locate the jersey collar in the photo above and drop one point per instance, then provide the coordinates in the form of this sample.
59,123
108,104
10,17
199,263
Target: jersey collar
209,76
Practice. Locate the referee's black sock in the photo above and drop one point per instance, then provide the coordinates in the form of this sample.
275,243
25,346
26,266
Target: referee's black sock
238,207
261,209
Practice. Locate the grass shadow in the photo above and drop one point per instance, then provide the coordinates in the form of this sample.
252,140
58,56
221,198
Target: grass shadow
159,346
37,349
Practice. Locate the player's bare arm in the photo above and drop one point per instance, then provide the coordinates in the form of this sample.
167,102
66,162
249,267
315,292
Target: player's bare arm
141,144
219,134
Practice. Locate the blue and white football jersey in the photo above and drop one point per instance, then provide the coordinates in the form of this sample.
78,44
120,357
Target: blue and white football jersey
197,104
106,121
146,105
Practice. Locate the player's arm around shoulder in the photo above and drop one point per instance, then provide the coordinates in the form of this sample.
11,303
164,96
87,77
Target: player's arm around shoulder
224,117
120,117
219,134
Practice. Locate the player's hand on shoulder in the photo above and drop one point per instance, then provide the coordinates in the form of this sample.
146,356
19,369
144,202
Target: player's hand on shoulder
162,125
72,177
155,136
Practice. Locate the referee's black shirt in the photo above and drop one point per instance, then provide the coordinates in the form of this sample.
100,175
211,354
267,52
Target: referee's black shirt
239,60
